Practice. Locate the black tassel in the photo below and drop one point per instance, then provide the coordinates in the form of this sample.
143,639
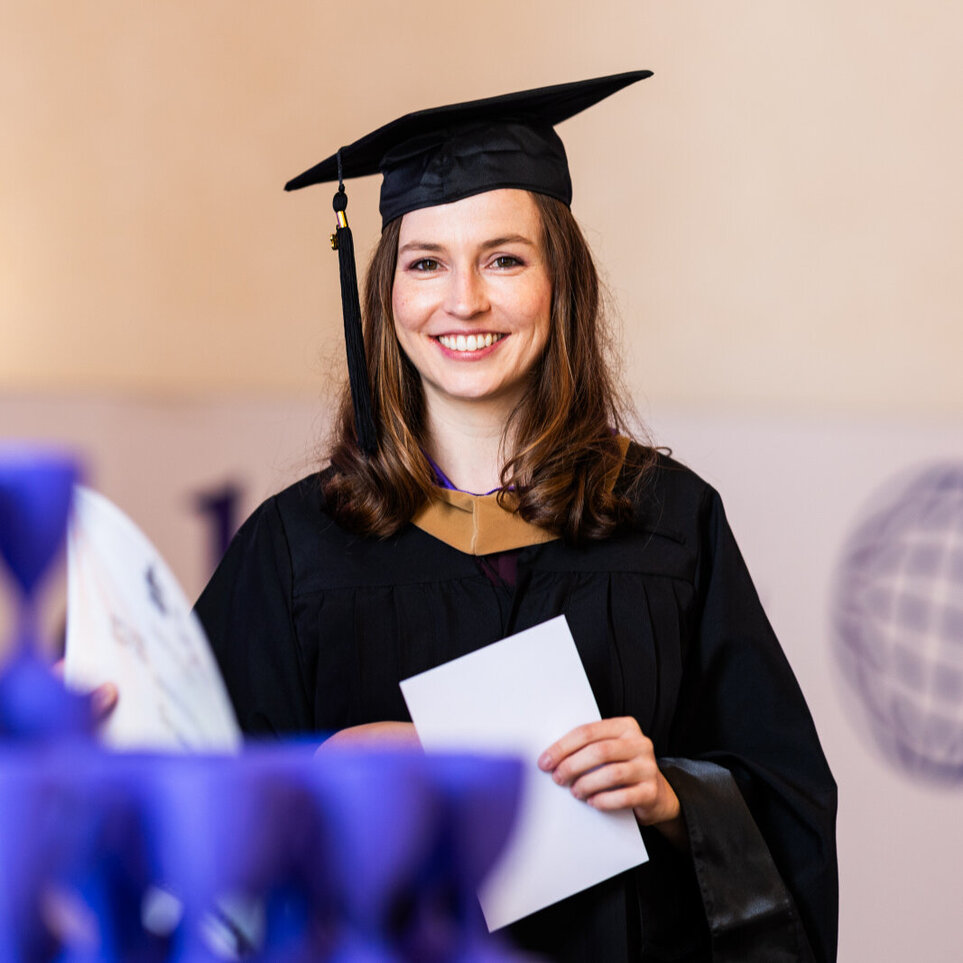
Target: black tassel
353,335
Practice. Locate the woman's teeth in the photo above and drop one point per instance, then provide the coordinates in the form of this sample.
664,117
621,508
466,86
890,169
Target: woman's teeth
468,342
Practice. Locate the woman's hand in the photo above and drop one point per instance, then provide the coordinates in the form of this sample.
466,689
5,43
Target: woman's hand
372,735
611,765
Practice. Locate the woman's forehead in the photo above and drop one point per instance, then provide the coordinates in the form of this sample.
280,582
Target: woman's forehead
480,218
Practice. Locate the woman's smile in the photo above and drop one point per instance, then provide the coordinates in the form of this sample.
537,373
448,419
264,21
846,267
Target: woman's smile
469,346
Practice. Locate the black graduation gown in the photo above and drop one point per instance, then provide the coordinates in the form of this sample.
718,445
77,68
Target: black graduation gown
313,628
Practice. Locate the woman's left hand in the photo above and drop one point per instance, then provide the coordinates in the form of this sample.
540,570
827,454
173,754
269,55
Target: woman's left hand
611,765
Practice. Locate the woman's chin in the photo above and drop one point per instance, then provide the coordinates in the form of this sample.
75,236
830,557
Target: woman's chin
476,394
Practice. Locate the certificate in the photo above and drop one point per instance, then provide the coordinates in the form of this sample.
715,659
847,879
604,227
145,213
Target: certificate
129,622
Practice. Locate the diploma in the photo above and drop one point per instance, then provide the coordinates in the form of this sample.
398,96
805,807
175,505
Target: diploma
129,622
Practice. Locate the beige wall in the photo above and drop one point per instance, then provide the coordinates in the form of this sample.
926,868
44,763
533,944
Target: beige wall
778,211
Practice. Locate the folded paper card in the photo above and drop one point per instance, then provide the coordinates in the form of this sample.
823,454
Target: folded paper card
518,696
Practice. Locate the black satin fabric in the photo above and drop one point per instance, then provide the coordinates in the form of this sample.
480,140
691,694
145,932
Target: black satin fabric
314,627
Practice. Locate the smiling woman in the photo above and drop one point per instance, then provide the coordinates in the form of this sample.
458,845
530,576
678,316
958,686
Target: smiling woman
483,342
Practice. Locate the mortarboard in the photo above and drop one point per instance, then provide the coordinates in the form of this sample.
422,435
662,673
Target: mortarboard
442,155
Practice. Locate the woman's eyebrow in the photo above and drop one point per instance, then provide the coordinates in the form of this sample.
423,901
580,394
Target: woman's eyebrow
485,245
508,239
420,246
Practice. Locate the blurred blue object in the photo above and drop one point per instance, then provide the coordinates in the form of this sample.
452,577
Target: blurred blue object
355,857
380,810
36,487
28,844
271,855
35,706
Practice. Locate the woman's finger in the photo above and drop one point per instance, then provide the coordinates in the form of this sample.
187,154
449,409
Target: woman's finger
623,797
606,778
103,701
651,799
593,756
582,736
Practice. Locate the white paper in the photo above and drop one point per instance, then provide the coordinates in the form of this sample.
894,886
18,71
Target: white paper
518,696
129,622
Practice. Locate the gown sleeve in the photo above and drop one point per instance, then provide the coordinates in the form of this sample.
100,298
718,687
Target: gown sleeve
756,792
246,610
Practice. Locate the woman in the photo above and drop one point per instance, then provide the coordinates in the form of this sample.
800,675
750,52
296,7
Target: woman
486,370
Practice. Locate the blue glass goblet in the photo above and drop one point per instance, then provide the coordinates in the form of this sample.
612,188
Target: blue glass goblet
481,799
36,486
35,494
380,814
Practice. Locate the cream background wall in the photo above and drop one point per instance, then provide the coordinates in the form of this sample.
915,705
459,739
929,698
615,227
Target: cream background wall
778,210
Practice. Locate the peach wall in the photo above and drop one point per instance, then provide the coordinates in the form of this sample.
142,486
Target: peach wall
778,211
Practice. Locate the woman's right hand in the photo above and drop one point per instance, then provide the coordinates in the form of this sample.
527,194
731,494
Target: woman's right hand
374,735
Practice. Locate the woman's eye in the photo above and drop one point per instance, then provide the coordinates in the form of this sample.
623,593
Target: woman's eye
425,264
506,261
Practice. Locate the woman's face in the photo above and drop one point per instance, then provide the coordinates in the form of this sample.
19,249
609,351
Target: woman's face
472,297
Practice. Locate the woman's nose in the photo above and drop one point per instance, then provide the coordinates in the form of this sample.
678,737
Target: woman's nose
467,295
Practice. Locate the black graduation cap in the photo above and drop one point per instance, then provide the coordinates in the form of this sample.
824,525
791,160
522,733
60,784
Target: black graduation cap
442,155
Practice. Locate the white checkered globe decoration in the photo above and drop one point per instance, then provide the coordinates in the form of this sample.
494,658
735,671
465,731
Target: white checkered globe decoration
898,619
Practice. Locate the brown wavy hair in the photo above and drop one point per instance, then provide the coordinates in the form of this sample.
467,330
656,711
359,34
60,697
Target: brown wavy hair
565,450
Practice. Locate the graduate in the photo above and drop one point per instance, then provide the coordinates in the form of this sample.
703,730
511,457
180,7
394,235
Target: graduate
482,480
